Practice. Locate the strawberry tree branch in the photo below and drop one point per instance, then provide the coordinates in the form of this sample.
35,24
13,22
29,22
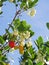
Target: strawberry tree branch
17,12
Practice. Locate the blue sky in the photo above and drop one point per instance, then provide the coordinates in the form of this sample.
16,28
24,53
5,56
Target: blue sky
38,22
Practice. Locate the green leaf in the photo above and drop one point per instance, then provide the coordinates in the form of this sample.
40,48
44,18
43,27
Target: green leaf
4,58
31,4
25,54
47,50
7,32
32,53
1,12
23,4
5,37
16,23
39,63
43,49
23,26
35,1
1,40
1,3
0,51
31,33
47,44
47,24
47,57
7,47
29,62
31,50
9,35
11,27
39,41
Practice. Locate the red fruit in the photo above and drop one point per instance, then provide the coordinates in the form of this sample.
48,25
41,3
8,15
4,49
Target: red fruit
11,44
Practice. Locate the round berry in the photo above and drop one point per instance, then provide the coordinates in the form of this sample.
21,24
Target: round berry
11,44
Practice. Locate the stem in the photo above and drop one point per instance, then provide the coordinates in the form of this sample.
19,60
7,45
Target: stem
17,12
36,44
4,53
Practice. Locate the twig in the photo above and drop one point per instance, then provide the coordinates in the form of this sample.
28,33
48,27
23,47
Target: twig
36,44
17,12
4,53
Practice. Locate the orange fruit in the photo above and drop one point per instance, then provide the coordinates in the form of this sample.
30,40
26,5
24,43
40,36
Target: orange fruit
21,49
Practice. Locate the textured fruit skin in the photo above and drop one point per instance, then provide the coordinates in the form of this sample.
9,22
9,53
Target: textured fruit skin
11,44
21,49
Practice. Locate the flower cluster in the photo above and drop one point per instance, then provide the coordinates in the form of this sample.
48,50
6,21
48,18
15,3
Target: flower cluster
20,41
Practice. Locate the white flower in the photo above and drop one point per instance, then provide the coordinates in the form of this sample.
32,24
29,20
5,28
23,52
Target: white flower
29,44
32,12
23,34
22,43
22,37
27,34
15,33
